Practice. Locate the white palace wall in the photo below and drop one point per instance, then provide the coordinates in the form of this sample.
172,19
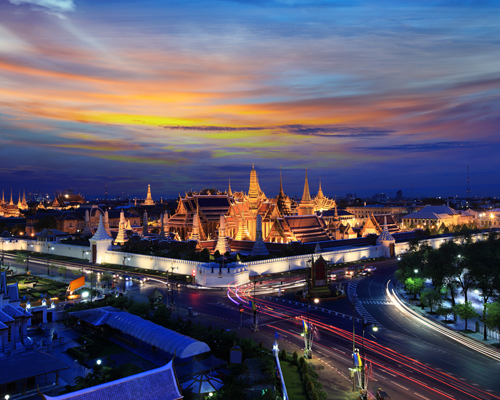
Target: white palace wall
208,274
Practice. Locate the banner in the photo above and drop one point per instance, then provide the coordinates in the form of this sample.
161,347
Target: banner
252,304
304,325
77,283
357,359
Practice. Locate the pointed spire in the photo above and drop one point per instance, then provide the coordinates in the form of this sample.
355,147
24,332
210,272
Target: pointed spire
106,222
87,231
254,189
229,191
195,233
282,193
3,197
317,249
121,238
101,232
11,202
259,247
306,196
385,235
129,227
19,203
149,200
320,194
222,243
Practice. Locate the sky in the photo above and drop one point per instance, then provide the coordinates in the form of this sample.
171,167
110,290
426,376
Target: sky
370,97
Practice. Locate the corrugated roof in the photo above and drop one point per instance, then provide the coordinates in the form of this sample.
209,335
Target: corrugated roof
162,338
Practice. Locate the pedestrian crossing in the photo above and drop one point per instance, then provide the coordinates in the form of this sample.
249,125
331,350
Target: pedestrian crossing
358,304
378,302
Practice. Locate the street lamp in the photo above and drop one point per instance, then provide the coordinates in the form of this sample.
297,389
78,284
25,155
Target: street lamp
353,305
49,247
255,321
363,364
27,263
416,271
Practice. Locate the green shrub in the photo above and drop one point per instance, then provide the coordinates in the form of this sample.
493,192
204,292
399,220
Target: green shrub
295,358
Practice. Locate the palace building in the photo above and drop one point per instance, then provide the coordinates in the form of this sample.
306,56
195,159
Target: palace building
245,216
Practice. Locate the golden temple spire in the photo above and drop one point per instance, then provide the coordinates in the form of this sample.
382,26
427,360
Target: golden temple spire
229,191
253,191
306,196
320,194
11,202
149,200
282,194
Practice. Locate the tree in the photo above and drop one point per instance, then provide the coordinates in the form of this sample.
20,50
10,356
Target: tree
431,298
62,270
465,311
492,319
106,278
414,285
444,312
47,222
464,278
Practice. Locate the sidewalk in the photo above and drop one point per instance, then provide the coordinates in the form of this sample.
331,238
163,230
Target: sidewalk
457,326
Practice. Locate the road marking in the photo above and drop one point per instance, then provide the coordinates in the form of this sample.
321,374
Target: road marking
388,373
401,386
419,395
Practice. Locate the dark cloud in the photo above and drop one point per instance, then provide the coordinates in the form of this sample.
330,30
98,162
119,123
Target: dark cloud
424,147
297,129
214,128
337,131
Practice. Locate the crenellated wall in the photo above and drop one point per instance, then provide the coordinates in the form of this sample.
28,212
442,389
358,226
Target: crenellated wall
208,274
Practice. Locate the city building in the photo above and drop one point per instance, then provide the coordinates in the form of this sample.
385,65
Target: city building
433,217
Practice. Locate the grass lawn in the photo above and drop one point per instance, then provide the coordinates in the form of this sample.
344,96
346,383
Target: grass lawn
293,383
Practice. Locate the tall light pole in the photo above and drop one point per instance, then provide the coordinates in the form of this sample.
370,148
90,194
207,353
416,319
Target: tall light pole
364,384
2,251
353,305
49,247
255,320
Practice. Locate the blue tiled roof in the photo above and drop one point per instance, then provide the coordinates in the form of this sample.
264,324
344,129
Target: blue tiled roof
156,384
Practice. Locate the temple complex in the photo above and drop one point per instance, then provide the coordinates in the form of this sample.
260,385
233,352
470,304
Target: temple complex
252,216
10,209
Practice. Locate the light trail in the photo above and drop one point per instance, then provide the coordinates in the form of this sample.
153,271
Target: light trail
278,311
470,343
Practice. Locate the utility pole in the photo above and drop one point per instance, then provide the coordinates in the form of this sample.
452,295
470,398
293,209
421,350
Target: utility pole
353,374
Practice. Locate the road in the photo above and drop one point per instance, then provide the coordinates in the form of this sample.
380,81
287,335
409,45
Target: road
409,360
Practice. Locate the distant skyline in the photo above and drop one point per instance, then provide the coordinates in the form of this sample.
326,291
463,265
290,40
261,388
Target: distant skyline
369,96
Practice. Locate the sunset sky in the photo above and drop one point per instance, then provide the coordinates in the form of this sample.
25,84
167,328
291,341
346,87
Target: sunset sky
369,96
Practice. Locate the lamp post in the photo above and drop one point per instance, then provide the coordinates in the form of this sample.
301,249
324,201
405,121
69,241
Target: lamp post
255,323
84,252
2,252
363,365
49,247
353,305
27,263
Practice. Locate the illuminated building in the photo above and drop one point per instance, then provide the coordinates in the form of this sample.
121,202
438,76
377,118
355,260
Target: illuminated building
149,200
